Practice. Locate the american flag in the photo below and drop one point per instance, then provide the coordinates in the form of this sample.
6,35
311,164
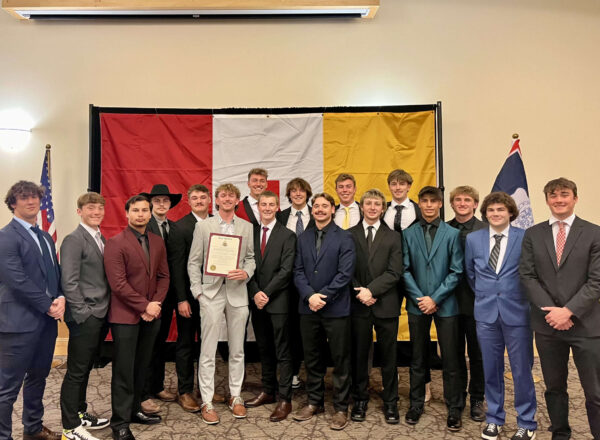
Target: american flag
46,214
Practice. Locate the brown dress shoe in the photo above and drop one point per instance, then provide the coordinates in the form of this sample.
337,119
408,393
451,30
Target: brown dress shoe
281,412
188,402
44,434
339,420
209,415
166,396
236,405
307,412
149,406
259,400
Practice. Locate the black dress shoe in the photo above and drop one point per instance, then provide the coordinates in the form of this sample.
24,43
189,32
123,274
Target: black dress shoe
477,410
454,422
391,414
413,415
142,418
359,411
122,434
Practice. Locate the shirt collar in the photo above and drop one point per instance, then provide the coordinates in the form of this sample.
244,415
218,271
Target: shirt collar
435,222
137,234
252,200
304,210
504,232
569,220
90,230
270,225
375,225
23,223
160,222
354,204
223,222
197,217
405,203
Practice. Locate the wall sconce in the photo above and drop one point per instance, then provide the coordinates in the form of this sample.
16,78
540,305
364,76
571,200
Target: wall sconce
15,130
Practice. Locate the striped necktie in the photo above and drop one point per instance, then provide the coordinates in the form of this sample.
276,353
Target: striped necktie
493,261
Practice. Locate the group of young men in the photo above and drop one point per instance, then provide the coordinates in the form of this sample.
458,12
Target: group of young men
316,279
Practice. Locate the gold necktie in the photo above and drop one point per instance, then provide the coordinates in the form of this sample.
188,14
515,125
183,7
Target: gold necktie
346,223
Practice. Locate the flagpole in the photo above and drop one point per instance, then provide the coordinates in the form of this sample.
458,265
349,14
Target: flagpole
48,148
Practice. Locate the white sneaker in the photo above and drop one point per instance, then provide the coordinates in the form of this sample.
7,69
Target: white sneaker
491,431
79,433
523,434
90,421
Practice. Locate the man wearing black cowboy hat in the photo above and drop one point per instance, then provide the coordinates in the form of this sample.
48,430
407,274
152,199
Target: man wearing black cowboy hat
162,200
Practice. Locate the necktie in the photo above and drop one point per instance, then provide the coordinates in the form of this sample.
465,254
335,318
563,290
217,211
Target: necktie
165,233
263,242
319,240
398,218
346,223
370,237
142,239
493,261
561,239
51,278
299,223
98,237
428,241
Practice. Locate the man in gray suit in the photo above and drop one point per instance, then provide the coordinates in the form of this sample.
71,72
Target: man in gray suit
560,271
218,294
87,293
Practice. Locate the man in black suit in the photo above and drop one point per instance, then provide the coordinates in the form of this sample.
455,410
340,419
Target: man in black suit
268,291
560,271
248,207
188,311
347,213
162,200
375,303
464,201
296,218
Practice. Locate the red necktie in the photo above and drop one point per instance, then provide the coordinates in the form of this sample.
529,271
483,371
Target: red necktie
561,239
263,242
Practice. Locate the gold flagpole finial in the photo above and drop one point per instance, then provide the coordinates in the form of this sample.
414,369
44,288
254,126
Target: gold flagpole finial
48,146
516,136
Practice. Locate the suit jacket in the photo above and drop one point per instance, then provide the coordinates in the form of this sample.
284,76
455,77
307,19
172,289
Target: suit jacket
83,279
574,284
435,274
273,274
208,285
378,270
134,282
464,293
244,210
23,298
284,216
329,273
496,293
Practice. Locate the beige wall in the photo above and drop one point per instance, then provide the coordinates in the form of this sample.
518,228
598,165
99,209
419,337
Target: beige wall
526,66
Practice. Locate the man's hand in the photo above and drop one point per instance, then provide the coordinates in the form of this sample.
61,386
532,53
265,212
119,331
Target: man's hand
184,309
147,317
559,318
153,309
427,305
364,295
261,299
57,309
370,302
315,302
237,274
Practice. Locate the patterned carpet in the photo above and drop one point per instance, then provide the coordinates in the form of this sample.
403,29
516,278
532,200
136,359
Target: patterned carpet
179,425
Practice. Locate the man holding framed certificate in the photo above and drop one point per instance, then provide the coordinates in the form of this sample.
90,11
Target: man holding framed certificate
220,263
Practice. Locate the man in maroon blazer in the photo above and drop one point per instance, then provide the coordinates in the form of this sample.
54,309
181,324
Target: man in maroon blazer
135,261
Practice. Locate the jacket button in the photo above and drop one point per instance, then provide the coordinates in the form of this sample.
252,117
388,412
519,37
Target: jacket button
316,271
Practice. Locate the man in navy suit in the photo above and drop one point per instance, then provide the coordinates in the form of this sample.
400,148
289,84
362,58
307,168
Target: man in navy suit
31,301
501,312
323,272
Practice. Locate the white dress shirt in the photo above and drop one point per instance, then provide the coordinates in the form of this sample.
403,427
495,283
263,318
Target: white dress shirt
198,218
554,223
340,215
503,244
375,228
270,227
293,218
254,205
96,235
409,214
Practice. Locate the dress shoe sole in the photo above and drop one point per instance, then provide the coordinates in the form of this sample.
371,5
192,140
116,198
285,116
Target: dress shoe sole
478,419
190,410
392,421
167,399
357,417
256,405
300,419
454,428
412,421
209,422
339,428
277,419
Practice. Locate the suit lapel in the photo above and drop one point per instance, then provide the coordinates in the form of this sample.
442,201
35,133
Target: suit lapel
439,237
135,244
87,237
327,239
420,234
257,239
574,234
249,211
28,238
485,249
510,246
272,238
549,241
379,237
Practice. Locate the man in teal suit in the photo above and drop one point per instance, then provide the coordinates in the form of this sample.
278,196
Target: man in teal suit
433,261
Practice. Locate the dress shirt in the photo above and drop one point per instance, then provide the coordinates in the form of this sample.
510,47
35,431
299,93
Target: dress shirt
340,215
93,232
503,244
408,214
226,228
270,227
293,218
254,205
160,223
28,227
435,224
198,218
375,228
554,223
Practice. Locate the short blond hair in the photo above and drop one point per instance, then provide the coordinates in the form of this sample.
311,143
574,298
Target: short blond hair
258,172
266,194
466,190
228,187
90,197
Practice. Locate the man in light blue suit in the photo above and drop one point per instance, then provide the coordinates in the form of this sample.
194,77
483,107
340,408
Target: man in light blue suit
433,261
502,314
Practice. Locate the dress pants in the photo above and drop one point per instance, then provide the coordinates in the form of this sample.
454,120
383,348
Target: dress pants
84,342
132,352
447,333
467,332
336,331
295,336
554,358
519,344
187,349
273,340
211,316
155,380
25,360
362,340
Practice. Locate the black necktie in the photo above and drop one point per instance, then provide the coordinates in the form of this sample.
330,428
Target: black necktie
143,241
299,223
398,218
319,240
51,278
165,233
370,237
428,240
493,261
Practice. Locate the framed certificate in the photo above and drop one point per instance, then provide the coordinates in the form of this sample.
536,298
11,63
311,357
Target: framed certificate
223,254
